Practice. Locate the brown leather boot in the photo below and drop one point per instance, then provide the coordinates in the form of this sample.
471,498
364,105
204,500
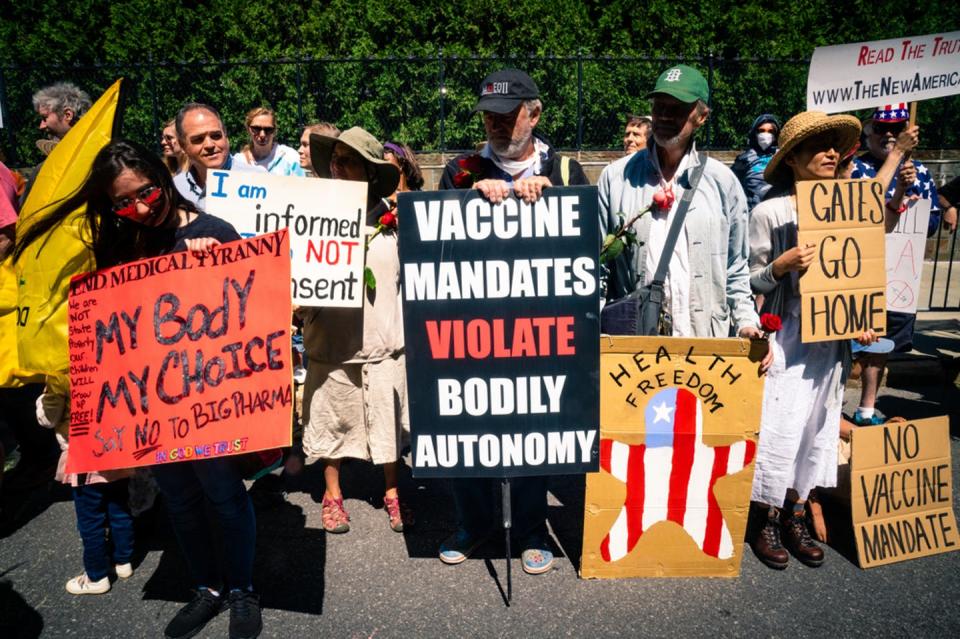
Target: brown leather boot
796,537
766,545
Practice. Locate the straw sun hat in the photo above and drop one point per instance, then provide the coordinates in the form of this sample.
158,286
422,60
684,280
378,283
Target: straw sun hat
807,125
358,139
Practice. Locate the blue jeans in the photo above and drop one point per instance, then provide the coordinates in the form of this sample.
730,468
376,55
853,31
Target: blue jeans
97,506
476,501
186,487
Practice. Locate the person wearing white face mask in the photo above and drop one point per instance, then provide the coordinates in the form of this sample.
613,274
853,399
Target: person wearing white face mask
749,165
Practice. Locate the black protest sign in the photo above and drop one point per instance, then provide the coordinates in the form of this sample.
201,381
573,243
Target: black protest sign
500,306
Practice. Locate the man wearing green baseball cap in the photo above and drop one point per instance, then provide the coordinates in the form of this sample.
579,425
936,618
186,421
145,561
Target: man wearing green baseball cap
707,286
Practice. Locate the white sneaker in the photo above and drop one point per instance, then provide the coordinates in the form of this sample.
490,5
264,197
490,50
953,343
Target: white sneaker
124,571
81,585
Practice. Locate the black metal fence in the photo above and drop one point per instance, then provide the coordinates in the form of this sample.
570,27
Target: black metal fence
427,101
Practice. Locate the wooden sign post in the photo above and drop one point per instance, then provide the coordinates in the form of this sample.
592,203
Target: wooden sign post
843,291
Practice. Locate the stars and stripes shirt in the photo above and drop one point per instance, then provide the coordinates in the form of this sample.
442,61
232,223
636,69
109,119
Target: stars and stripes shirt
866,166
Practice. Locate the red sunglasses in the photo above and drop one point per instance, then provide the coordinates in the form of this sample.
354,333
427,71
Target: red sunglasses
127,207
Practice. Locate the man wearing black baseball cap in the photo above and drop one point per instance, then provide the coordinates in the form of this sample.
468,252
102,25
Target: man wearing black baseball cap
514,156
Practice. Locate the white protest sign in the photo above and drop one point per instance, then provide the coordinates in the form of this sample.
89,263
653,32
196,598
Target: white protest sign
866,75
326,223
905,248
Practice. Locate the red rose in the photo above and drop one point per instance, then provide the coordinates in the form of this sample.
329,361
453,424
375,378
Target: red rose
770,323
389,220
463,180
472,164
663,199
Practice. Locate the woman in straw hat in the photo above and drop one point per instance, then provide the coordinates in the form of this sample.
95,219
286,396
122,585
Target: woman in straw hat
355,398
804,389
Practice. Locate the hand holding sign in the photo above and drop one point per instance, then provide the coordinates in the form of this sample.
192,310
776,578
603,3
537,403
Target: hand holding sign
501,330
798,258
179,357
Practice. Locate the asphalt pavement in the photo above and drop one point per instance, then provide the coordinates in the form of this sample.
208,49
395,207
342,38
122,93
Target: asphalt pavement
372,582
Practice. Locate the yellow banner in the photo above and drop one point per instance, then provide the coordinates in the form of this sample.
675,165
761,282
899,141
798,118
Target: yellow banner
41,276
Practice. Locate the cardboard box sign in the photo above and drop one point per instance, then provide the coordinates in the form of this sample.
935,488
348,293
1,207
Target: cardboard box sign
901,491
678,424
178,358
326,221
842,294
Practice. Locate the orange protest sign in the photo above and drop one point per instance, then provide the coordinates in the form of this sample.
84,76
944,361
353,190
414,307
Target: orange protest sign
179,357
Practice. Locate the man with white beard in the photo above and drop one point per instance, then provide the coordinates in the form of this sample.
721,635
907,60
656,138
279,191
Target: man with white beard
707,289
513,158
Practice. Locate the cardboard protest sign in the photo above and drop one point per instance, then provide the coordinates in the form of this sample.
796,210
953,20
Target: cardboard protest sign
678,424
906,245
842,293
865,75
176,357
501,322
901,495
326,221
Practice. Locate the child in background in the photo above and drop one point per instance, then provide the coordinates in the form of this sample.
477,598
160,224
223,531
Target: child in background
101,500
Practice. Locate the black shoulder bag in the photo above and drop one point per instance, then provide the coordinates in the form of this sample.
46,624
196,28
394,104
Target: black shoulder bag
641,312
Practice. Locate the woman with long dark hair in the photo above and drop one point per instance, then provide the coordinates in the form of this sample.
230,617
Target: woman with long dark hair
133,211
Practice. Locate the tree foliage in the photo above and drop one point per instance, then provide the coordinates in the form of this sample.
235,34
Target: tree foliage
410,69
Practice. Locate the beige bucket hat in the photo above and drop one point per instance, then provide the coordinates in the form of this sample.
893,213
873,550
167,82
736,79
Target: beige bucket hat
358,139
808,124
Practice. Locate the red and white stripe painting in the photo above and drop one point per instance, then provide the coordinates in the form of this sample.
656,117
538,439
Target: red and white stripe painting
670,477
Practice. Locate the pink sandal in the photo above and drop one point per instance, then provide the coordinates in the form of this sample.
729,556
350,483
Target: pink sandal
334,516
397,516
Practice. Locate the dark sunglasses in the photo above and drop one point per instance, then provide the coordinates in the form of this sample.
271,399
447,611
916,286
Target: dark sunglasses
267,130
127,207
672,111
882,128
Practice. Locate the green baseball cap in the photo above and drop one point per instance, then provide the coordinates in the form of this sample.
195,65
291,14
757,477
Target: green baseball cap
682,82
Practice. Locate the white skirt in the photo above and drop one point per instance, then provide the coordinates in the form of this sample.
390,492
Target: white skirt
800,423
356,410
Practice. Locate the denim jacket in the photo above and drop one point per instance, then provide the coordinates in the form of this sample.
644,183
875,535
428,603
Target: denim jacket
717,239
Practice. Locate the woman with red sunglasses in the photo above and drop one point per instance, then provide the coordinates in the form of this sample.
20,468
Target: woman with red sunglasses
133,211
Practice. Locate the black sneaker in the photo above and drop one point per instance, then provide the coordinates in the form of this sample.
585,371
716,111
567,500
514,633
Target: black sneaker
194,616
245,621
